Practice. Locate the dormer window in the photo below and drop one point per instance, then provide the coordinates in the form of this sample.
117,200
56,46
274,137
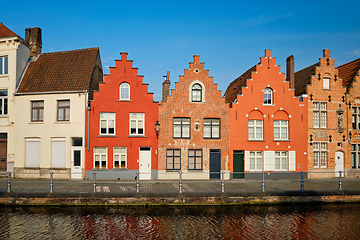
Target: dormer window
326,83
196,93
124,91
268,96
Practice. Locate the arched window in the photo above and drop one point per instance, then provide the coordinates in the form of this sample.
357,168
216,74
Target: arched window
196,93
124,91
268,96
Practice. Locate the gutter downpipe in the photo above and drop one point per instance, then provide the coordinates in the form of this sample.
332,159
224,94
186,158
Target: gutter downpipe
86,96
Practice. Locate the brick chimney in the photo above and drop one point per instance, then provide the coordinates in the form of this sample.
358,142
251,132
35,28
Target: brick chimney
166,87
326,53
33,39
290,75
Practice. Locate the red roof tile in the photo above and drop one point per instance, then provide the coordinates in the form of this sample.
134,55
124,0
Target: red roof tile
5,32
235,87
348,71
60,71
302,78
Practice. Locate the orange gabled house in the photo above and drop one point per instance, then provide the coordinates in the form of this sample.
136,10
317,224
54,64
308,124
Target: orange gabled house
122,135
268,124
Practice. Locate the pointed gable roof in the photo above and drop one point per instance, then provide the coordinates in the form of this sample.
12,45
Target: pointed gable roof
302,78
60,71
5,32
235,87
348,71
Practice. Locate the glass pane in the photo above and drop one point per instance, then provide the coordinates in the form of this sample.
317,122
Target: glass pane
5,106
97,157
41,114
140,124
67,114
132,116
353,147
1,65
133,124
116,150
64,103
123,150
177,152
60,114
207,121
177,120
140,116
198,152
186,131
186,120
322,106
216,132
251,122
103,150
77,158
207,131
316,106
6,65
191,152
169,152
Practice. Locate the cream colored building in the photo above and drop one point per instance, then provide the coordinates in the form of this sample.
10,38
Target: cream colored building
14,55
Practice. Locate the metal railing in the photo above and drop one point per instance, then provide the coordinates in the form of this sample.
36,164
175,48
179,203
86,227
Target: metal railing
225,182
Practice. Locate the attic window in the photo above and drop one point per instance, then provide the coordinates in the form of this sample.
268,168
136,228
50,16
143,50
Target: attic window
235,87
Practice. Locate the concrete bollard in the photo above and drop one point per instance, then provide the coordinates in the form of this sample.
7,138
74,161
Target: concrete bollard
51,182
137,182
302,181
222,182
340,181
9,182
180,182
263,182
94,183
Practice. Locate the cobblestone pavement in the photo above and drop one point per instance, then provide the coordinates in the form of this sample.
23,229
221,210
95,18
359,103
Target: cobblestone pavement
233,186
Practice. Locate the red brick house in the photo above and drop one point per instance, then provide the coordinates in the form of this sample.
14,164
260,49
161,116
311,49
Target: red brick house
194,134
327,117
350,75
122,136
267,122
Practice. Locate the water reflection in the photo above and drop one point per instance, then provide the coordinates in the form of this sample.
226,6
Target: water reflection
331,221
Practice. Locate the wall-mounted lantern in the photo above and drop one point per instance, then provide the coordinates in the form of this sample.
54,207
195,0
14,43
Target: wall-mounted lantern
157,128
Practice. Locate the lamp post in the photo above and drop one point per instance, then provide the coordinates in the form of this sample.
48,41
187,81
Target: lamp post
157,128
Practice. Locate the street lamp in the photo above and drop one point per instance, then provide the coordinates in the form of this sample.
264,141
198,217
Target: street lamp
157,128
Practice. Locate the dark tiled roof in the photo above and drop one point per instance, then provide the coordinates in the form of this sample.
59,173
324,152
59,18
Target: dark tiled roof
235,87
5,32
60,71
302,78
348,70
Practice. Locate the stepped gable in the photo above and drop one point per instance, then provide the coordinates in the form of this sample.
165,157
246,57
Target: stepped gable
348,71
60,71
6,32
302,78
235,87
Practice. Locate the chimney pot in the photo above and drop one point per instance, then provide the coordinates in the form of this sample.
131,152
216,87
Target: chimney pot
326,53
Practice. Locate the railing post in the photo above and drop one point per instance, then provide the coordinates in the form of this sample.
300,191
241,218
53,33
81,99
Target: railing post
263,182
51,182
222,182
340,181
94,183
302,181
180,182
9,182
137,182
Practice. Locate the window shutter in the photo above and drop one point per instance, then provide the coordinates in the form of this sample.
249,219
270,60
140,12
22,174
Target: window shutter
247,161
58,153
269,161
33,152
292,161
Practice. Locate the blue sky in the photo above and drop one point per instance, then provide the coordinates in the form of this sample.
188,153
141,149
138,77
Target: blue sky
161,36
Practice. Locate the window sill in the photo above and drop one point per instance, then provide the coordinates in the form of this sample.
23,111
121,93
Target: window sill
62,122
100,169
269,105
211,138
175,170
4,75
196,170
279,140
3,116
181,138
58,169
107,135
140,136
255,140
120,169
119,100
36,122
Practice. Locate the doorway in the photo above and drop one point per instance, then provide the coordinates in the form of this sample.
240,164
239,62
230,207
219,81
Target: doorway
215,163
339,163
238,164
76,158
145,163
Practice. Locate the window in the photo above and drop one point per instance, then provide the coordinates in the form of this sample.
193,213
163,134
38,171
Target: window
212,128
100,157
4,65
355,155
320,154
281,130
37,111
58,152
195,160
63,110
3,102
196,93
255,129
181,127
120,157
107,123
124,91
319,115
281,162
326,83
173,159
256,160
268,95
137,123
33,152
356,117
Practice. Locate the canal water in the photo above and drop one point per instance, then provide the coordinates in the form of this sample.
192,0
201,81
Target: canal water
304,221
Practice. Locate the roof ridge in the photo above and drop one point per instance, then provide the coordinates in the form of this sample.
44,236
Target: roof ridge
6,30
75,50
343,65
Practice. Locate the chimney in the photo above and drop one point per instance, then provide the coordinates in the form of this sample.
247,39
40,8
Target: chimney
326,53
166,87
33,39
290,75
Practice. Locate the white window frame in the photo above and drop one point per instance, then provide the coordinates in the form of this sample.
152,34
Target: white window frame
282,126
326,83
202,91
108,119
254,129
319,114
281,161
320,154
126,87
138,122
196,93
4,102
255,160
4,65
118,155
268,96
102,153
